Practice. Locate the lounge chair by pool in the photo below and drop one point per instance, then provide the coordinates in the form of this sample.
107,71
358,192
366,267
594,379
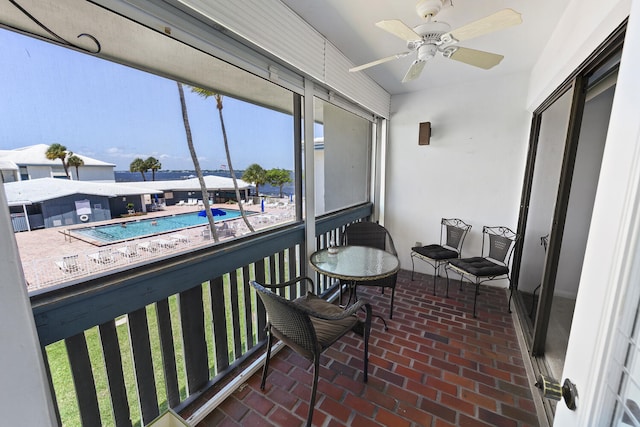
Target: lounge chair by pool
129,251
103,256
69,264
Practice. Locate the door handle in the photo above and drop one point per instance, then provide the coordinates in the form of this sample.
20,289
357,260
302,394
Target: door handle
551,389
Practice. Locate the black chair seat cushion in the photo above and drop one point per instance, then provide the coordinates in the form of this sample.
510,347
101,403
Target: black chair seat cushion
327,331
479,267
435,252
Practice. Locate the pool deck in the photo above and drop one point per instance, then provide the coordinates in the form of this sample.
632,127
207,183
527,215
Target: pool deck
41,249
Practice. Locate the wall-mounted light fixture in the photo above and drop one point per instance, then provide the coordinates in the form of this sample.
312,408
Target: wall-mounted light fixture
424,134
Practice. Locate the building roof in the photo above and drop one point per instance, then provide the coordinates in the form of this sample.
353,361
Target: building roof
35,155
7,165
40,190
192,184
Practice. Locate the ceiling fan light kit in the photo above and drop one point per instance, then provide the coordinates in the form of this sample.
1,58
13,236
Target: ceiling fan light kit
427,39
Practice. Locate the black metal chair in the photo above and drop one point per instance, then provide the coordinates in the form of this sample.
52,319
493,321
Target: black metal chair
309,325
452,234
373,235
497,247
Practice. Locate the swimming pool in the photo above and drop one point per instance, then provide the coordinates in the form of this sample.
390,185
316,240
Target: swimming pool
147,227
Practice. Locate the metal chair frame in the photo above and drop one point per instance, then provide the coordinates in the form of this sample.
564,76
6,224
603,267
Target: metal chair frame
453,231
293,323
498,244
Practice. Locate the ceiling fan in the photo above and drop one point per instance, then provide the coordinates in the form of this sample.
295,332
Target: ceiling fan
433,37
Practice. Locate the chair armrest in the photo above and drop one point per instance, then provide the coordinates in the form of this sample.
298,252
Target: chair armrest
289,283
351,310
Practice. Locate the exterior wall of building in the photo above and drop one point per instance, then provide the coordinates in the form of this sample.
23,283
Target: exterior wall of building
94,173
62,211
35,171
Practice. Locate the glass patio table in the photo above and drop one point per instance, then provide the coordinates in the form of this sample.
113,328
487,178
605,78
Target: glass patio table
355,265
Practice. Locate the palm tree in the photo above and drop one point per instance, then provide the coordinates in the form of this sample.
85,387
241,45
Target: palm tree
76,162
256,175
139,165
58,151
153,165
206,94
278,177
196,164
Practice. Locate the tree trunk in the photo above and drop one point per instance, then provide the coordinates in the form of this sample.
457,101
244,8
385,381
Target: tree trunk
233,175
196,164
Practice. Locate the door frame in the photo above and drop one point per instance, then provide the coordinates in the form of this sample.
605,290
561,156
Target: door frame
535,335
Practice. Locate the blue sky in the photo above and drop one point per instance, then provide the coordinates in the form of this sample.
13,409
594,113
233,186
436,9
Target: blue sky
113,113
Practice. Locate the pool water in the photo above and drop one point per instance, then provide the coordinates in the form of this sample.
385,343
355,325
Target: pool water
150,226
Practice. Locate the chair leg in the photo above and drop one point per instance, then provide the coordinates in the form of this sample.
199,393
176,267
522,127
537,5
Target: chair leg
366,334
435,273
475,298
446,273
533,302
412,269
393,293
266,361
312,402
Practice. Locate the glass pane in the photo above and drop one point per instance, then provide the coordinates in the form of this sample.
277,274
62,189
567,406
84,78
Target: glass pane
135,172
548,163
342,158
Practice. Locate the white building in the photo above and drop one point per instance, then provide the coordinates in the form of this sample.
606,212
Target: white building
30,162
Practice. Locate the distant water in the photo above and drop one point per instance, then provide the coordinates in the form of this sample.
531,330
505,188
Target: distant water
164,175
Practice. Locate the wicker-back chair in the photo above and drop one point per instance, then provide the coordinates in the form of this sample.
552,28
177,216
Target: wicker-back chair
373,235
309,325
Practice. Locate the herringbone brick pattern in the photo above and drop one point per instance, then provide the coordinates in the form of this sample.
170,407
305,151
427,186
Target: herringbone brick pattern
436,366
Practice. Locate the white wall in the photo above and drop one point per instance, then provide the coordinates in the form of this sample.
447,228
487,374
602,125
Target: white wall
583,26
36,172
473,168
94,173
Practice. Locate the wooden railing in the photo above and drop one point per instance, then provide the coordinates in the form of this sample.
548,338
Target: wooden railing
121,348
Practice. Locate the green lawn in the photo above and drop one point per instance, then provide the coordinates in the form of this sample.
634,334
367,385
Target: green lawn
63,381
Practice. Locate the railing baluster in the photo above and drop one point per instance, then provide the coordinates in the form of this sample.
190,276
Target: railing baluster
235,315
168,352
50,380
83,379
143,363
220,335
195,346
248,307
261,312
115,376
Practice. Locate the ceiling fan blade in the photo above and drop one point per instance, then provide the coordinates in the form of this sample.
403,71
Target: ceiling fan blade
502,19
414,70
398,29
477,58
379,61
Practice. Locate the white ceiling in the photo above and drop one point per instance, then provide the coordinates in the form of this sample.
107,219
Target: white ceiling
349,25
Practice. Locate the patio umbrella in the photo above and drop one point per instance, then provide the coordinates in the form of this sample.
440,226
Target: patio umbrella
214,212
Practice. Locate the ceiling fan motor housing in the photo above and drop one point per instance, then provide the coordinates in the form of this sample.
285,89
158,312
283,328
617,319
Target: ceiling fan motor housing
428,8
427,51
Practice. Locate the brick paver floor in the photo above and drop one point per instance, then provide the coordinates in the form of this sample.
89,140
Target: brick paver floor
436,366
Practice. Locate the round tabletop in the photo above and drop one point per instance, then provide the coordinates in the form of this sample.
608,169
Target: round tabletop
359,263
